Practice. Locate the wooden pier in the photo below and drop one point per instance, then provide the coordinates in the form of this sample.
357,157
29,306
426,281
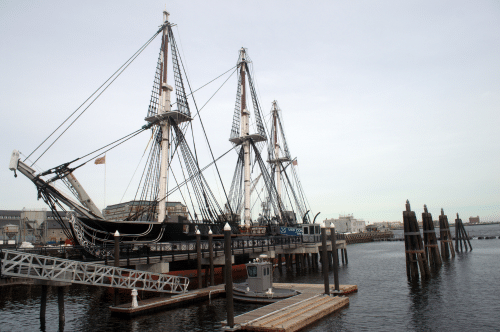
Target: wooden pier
294,313
289,314
162,303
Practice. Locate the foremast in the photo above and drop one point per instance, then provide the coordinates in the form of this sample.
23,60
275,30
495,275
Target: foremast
165,91
163,117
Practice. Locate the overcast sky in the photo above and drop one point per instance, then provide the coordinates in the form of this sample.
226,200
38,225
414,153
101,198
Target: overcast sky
382,101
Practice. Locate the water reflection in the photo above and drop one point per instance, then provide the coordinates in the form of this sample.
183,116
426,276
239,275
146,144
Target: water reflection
461,295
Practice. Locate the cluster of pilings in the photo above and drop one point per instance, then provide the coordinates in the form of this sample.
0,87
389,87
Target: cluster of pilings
423,254
415,254
309,261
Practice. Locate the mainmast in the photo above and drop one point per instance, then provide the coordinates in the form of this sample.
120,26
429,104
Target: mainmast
240,135
165,125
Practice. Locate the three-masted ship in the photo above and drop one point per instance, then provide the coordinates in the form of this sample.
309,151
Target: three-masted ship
149,222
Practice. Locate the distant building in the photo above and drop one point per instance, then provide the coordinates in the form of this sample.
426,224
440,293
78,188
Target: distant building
474,220
55,231
34,225
347,224
124,210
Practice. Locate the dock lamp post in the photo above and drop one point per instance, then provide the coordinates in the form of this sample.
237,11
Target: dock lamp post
211,256
198,257
333,239
324,258
229,276
117,261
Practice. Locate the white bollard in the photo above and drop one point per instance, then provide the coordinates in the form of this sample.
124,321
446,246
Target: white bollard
134,298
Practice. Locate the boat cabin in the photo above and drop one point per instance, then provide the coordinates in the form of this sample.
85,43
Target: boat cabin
260,277
311,232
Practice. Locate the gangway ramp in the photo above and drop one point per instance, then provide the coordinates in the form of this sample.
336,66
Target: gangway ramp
26,265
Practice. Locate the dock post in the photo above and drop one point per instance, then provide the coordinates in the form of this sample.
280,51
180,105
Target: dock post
198,257
445,238
211,257
43,305
461,235
345,254
324,263
117,264
430,241
333,239
280,263
229,276
60,304
415,254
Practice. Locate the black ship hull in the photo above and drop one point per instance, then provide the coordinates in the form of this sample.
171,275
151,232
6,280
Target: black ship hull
95,235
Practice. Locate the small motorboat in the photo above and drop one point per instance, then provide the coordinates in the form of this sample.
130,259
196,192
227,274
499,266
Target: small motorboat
259,285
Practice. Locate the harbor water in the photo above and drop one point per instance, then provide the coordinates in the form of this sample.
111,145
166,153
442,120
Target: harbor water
463,295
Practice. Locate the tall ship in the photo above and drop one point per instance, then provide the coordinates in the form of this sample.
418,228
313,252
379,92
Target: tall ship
280,202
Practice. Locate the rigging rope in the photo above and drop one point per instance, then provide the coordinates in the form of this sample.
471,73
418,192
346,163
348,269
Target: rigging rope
204,132
146,149
115,75
201,87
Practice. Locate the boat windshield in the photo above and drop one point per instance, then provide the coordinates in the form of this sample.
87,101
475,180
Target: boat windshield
252,271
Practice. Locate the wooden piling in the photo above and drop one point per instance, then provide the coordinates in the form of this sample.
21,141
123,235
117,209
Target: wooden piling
324,259
333,240
60,304
445,237
415,254
461,236
43,304
211,258
430,240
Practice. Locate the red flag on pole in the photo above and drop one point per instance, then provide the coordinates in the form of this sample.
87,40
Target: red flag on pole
101,160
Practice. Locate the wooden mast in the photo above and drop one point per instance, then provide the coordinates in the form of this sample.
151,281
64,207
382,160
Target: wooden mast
245,131
165,125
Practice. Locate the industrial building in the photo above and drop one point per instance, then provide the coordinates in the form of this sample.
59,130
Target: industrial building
347,224
31,225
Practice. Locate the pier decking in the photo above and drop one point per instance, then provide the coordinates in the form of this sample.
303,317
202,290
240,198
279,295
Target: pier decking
294,313
162,303
289,314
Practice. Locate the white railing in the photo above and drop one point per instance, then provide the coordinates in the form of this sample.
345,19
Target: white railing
26,265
